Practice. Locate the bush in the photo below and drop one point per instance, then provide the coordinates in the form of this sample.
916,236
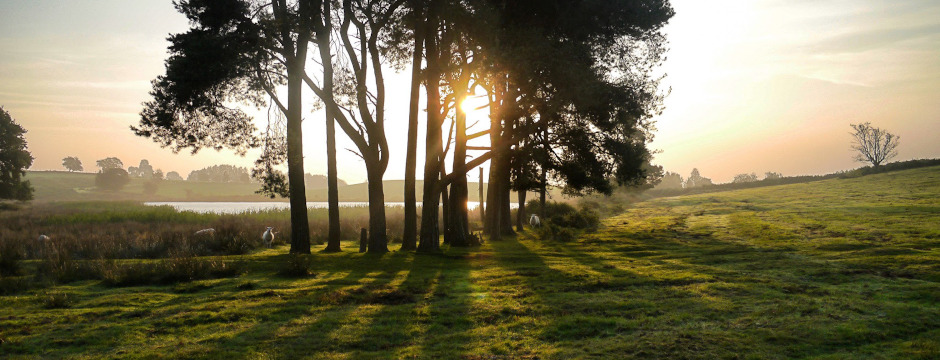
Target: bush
58,266
296,266
112,179
553,232
10,256
151,187
562,222
565,215
13,285
56,300
169,271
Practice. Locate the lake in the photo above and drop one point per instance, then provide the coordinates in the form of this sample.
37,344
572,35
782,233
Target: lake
241,207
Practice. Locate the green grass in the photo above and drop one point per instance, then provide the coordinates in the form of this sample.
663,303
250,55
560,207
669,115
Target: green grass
836,269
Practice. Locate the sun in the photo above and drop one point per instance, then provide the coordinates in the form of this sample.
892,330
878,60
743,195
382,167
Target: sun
475,106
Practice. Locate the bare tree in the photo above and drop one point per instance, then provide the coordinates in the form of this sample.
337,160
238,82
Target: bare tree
874,145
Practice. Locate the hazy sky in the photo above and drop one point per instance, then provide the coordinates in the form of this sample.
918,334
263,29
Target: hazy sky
756,85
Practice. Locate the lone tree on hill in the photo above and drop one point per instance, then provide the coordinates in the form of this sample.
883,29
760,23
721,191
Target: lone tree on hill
72,163
874,145
14,160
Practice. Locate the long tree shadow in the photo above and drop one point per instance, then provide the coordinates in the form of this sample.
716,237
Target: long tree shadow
728,289
445,315
301,323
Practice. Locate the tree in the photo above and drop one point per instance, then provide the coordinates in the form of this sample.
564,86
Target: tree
111,179
670,180
744,178
144,170
500,46
238,51
409,238
696,180
173,175
72,163
220,173
109,163
14,160
158,174
873,145
357,103
770,175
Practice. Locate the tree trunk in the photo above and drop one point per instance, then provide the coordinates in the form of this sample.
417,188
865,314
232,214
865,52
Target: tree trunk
480,198
409,236
458,225
430,235
445,213
543,178
378,241
520,213
333,240
300,230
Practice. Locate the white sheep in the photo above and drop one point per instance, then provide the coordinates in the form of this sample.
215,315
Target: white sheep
43,238
268,237
534,221
205,232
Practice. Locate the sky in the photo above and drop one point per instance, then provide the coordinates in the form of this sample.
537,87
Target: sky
754,85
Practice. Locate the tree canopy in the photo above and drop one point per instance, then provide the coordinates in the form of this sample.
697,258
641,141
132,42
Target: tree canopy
110,163
72,163
14,160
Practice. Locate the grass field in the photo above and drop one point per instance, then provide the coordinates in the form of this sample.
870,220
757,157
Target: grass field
835,269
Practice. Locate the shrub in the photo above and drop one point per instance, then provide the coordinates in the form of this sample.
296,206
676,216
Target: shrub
112,179
10,256
562,222
565,215
169,271
56,300
296,266
553,232
12,285
151,187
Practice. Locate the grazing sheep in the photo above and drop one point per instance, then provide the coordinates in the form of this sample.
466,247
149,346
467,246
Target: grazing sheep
268,237
43,238
534,221
205,232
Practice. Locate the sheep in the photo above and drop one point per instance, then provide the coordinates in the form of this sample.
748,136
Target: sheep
205,232
268,237
534,221
43,238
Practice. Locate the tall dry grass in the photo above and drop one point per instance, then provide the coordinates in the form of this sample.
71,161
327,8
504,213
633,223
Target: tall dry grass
125,230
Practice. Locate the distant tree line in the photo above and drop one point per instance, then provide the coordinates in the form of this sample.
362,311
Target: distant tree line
220,174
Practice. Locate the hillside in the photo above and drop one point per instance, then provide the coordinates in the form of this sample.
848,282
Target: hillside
66,186
839,268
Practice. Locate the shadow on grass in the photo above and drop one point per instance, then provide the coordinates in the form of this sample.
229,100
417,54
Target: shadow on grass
693,293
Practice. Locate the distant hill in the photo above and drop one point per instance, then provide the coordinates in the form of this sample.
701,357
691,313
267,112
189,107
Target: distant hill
71,186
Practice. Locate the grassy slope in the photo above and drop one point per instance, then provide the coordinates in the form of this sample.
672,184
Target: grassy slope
65,186
831,269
